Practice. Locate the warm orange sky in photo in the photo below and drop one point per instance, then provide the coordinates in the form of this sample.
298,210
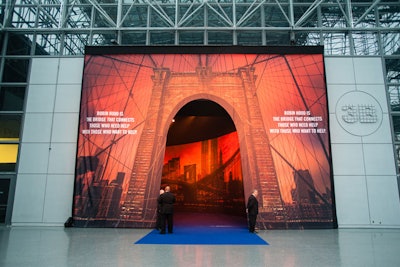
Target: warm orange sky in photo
123,83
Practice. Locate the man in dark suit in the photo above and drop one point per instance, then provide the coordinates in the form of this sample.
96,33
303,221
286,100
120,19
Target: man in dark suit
159,215
252,210
167,201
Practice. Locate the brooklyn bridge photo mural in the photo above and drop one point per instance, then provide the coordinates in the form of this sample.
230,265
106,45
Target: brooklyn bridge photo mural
213,123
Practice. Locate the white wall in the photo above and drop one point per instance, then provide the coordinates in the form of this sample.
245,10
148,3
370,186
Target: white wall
363,159
365,179
45,177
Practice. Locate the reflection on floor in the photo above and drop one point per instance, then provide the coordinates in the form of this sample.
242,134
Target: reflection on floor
57,246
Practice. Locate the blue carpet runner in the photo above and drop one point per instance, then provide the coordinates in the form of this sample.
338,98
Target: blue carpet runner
204,235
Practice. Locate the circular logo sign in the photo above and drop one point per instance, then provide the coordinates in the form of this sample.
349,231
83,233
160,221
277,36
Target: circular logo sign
359,113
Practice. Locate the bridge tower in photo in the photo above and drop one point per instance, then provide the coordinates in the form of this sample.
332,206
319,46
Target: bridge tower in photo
236,93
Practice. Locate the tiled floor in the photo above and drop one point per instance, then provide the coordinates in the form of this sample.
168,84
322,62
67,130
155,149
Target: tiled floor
58,247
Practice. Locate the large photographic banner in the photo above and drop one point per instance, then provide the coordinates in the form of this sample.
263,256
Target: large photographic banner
274,96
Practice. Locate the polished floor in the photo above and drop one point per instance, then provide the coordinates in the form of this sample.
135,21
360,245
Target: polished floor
58,247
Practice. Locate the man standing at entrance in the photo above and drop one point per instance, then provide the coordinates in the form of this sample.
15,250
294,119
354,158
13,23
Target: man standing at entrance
252,210
166,202
159,215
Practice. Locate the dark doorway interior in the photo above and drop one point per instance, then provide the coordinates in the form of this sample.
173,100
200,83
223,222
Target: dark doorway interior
199,120
203,166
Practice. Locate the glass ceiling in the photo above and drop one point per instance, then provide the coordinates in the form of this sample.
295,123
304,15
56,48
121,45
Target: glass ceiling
63,28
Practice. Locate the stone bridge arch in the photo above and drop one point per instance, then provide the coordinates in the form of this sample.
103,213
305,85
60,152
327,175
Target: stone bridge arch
235,92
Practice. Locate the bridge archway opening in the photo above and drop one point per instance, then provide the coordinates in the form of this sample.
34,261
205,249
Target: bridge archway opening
203,167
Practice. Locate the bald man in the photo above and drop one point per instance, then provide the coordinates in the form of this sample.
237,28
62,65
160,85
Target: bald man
167,201
252,211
